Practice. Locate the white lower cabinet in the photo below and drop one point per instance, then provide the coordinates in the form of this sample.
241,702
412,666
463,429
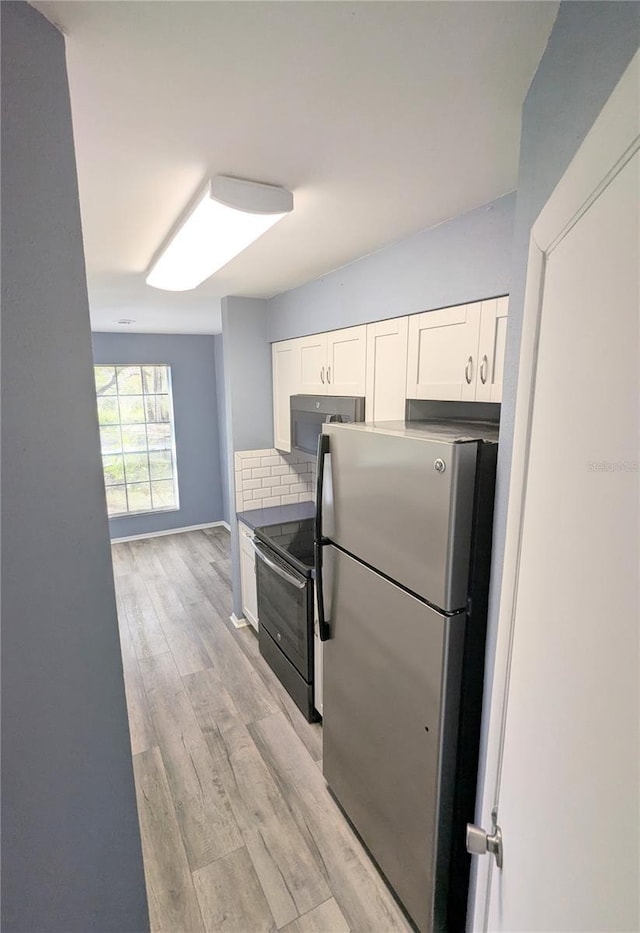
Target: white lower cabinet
248,575
386,369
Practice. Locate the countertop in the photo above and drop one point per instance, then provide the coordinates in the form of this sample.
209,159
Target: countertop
277,514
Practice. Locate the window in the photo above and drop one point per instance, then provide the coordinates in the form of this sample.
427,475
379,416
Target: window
135,412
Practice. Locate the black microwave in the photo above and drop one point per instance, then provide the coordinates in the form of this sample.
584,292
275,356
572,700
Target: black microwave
310,412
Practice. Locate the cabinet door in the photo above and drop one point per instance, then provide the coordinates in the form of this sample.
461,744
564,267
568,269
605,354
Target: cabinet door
443,353
346,361
493,333
386,369
313,365
286,382
248,576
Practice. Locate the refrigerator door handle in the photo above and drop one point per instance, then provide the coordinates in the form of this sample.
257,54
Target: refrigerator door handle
319,541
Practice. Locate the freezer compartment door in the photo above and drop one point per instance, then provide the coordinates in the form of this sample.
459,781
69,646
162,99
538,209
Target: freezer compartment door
391,695
403,505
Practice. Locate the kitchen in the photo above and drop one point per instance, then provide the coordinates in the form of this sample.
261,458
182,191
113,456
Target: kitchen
450,266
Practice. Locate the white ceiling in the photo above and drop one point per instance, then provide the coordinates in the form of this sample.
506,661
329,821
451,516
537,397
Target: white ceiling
383,118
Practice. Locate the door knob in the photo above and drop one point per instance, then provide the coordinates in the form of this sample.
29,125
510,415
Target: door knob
479,842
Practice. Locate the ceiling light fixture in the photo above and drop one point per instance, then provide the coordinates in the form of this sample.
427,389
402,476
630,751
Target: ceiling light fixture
227,218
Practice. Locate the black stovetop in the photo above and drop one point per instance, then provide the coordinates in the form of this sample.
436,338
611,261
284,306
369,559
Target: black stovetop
293,541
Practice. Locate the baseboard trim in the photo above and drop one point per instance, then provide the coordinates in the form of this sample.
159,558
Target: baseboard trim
171,531
238,622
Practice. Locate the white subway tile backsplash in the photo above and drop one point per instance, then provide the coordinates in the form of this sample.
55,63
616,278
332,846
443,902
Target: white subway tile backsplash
267,477
271,481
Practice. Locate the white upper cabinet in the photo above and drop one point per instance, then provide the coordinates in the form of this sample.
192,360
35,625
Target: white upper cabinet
452,354
491,349
323,364
443,351
286,382
313,365
334,363
458,353
386,369
346,361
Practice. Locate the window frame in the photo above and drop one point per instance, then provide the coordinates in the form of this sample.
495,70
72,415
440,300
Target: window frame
171,448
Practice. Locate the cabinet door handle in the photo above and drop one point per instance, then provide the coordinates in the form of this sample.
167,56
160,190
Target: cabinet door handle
322,375
468,370
483,369
329,375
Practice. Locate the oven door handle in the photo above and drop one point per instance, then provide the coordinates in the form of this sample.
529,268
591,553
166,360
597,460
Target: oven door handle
294,581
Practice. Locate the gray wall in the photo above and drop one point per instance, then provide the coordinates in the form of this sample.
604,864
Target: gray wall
221,399
589,48
249,398
464,259
194,383
71,858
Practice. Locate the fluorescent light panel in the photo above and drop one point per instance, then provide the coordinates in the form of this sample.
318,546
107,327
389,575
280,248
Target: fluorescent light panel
230,215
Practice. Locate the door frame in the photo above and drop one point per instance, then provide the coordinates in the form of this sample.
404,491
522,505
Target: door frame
610,144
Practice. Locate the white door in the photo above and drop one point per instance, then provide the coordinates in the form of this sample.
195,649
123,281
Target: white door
286,382
443,353
313,365
346,361
563,748
386,370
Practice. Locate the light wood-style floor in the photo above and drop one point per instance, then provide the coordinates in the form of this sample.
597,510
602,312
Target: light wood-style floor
239,832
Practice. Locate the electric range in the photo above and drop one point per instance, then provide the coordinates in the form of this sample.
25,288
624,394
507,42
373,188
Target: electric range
284,573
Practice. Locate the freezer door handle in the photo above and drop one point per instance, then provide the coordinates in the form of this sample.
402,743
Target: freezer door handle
319,540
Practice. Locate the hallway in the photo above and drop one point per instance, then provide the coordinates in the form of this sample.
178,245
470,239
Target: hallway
239,832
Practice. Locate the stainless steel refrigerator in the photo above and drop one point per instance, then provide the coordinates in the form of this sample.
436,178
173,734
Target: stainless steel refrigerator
403,534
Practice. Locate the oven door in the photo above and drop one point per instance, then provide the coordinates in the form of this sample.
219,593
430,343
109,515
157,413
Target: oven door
285,607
